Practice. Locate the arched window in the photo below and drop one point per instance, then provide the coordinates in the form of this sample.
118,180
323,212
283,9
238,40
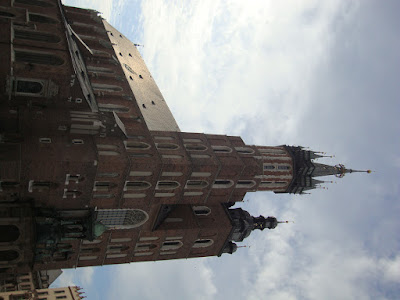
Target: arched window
6,14
8,255
167,146
222,184
244,150
36,36
27,87
196,184
132,145
221,149
171,245
8,233
167,185
201,210
202,243
269,167
40,58
90,250
34,2
272,184
117,248
41,19
122,218
195,147
136,185
283,167
245,184
144,247
103,186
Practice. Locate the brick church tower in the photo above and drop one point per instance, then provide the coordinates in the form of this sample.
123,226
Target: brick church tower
93,167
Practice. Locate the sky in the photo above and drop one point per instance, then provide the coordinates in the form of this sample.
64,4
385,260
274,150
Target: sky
321,74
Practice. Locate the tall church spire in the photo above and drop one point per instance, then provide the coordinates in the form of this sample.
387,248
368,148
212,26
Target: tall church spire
306,169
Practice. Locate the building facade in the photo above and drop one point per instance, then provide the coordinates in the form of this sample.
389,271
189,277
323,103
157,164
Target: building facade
94,169
66,293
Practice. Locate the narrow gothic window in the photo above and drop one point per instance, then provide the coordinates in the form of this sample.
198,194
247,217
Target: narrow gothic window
103,186
144,247
167,146
136,185
37,58
245,184
6,14
201,210
41,19
28,87
244,150
8,255
196,184
36,36
269,167
131,145
195,147
281,167
171,245
167,185
202,243
222,183
8,233
221,149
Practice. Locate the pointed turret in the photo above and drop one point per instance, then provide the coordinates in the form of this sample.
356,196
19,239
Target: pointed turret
243,224
306,169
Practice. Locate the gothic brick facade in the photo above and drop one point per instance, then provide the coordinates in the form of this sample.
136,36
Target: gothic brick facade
85,127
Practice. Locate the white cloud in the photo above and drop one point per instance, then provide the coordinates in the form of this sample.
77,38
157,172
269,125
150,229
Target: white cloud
192,280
